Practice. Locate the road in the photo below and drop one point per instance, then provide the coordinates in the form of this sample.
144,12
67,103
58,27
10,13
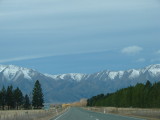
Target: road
74,113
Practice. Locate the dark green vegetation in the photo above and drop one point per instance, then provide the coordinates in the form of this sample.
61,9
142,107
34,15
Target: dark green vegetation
142,96
37,100
13,98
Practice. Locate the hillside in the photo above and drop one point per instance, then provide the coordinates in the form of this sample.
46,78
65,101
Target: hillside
74,86
138,96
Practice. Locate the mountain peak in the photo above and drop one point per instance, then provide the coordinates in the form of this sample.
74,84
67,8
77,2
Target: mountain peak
154,66
73,86
71,76
12,72
153,70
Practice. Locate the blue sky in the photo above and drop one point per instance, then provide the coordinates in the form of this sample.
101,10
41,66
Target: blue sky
79,36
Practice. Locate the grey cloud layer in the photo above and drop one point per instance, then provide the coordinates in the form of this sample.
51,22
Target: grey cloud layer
39,27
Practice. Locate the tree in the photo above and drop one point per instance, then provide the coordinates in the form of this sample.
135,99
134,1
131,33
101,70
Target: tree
18,97
148,84
26,102
9,97
3,97
141,95
37,100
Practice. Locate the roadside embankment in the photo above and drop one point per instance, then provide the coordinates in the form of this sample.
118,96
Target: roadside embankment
149,114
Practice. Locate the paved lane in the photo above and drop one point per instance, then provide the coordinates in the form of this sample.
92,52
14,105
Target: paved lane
74,113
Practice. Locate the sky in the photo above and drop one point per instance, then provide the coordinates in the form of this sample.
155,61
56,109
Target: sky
79,36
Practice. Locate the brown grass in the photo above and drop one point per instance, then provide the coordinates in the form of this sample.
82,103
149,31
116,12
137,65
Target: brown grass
29,114
149,114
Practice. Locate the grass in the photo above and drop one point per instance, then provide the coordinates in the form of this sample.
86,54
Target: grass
29,114
149,114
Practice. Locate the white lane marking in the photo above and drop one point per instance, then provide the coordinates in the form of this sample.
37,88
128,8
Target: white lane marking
62,114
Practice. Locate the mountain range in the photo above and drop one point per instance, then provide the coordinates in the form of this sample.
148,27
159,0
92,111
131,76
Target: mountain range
72,87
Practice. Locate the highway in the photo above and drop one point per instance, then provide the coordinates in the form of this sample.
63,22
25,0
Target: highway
75,113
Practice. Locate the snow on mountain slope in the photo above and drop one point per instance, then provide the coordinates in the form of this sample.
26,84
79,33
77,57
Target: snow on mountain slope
112,75
12,72
74,86
134,73
2,67
73,76
120,74
154,70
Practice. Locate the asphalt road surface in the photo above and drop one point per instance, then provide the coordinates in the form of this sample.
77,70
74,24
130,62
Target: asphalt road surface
75,113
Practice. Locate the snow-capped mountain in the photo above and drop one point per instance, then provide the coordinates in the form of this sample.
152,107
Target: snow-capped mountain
74,86
12,72
70,76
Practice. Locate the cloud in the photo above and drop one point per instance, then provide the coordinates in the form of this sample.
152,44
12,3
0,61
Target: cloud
131,50
47,55
23,58
141,60
155,60
158,52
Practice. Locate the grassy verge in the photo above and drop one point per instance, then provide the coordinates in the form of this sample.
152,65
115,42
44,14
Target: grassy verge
29,114
149,114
